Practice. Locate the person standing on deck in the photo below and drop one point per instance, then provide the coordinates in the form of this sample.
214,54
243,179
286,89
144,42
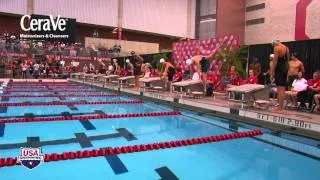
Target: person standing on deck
169,71
295,66
279,71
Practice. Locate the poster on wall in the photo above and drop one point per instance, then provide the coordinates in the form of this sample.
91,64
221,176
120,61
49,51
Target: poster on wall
48,28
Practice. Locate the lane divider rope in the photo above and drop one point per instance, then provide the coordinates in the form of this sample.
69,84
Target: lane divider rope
71,95
91,117
54,90
32,83
41,86
69,103
12,161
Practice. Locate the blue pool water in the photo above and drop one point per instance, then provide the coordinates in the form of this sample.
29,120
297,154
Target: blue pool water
265,157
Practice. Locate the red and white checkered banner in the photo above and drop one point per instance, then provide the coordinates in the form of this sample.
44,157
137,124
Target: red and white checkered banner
184,50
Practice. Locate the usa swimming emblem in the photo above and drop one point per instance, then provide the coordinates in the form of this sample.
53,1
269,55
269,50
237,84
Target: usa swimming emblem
30,157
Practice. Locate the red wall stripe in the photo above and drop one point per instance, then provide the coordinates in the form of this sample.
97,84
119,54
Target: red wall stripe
301,18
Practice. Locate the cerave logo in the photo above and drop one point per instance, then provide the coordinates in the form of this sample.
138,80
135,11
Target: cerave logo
43,24
30,157
52,28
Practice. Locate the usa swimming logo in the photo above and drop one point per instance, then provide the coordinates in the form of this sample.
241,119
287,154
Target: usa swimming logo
30,157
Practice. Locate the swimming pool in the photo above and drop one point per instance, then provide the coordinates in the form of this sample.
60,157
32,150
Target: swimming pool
263,157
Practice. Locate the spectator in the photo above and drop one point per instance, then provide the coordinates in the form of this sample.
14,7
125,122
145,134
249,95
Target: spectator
154,72
298,85
233,76
312,89
91,68
85,68
178,75
36,70
256,67
252,79
24,68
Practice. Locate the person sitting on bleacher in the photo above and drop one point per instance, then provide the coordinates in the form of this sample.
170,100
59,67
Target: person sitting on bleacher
234,78
298,85
178,75
312,89
252,79
123,72
146,71
154,72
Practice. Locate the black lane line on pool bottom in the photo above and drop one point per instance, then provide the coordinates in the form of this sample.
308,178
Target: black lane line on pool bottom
166,174
62,98
81,138
28,115
2,128
33,142
72,107
234,126
116,164
87,125
3,109
126,134
100,112
4,99
49,115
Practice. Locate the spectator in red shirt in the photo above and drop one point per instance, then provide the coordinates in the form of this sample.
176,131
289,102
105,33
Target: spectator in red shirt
313,88
154,72
123,72
252,79
178,75
233,75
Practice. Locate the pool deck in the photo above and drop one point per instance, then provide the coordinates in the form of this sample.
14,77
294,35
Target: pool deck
303,123
292,121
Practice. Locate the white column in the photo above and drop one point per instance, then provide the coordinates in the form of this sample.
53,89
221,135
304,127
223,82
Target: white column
189,18
30,7
120,18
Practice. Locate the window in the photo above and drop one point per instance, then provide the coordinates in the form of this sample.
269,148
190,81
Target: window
206,18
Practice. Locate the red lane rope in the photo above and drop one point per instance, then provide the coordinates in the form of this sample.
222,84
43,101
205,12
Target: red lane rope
71,95
60,90
91,117
69,103
12,161
42,86
36,83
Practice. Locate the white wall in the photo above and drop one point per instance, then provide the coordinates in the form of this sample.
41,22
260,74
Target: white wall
159,16
101,12
13,6
167,17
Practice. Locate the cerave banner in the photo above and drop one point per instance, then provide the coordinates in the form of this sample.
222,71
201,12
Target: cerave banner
50,28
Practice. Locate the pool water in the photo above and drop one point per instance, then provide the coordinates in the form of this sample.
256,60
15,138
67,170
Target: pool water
264,157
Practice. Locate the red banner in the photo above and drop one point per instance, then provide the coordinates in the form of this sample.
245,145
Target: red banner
184,50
